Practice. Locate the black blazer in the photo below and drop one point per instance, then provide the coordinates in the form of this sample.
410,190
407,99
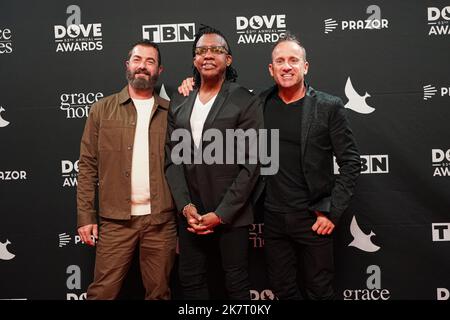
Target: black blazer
222,188
325,132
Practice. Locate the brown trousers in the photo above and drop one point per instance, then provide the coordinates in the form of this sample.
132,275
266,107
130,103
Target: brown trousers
115,249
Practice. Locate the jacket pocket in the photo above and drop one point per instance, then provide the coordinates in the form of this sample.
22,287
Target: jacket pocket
110,135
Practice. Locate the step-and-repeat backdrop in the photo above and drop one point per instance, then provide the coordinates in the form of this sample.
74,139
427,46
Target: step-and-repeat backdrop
388,60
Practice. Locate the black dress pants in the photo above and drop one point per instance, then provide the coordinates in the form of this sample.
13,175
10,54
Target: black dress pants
293,249
196,250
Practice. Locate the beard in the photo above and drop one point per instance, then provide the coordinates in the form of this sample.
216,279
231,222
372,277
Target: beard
141,83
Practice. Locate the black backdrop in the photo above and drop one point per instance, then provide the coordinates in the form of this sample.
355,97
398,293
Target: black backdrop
403,196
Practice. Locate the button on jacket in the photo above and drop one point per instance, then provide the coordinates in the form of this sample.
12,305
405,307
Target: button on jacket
105,159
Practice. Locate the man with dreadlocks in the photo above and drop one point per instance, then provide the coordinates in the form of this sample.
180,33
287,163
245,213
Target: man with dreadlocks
212,199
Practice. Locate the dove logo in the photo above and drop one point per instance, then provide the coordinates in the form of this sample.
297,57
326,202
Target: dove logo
373,284
255,235
77,105
438,20
4,253
3,122
178,32
5,41
440,231
265,294
75,36
361,240
356,102
260,29
441,162
69,172
442,294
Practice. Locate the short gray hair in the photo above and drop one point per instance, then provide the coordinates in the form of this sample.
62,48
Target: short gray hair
288,36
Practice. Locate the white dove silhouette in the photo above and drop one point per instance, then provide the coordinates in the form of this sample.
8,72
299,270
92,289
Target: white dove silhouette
360,239
4,253
3,123
355,101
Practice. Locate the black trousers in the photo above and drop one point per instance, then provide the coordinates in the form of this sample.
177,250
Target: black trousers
293,250
196,250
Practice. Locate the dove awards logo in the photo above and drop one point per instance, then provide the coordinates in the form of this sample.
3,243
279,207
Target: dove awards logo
440,231
372,22
69,171
3,122
356,102
265,294
438,21
373,290
361,240
441,162
260,29
176,32
4,253
5,41
429,91
77,105
442,294
77,37
256,235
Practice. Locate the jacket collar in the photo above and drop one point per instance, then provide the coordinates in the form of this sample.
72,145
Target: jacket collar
124,98
310,92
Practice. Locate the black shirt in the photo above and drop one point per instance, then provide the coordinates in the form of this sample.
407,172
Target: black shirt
287,190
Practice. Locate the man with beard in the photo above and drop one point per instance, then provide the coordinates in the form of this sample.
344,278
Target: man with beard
122,152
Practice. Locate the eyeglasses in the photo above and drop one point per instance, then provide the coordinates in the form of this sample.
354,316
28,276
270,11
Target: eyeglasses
201,51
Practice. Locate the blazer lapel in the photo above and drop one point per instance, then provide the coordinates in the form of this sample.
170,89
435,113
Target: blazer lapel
186,109
217,105
309,108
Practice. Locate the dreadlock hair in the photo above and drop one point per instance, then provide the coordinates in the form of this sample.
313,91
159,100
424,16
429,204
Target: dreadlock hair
230,72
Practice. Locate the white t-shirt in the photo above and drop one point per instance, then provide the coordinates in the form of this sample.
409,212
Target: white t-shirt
198,117
140,166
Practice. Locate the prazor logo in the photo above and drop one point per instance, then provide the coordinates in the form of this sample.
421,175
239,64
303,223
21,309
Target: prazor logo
372,22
